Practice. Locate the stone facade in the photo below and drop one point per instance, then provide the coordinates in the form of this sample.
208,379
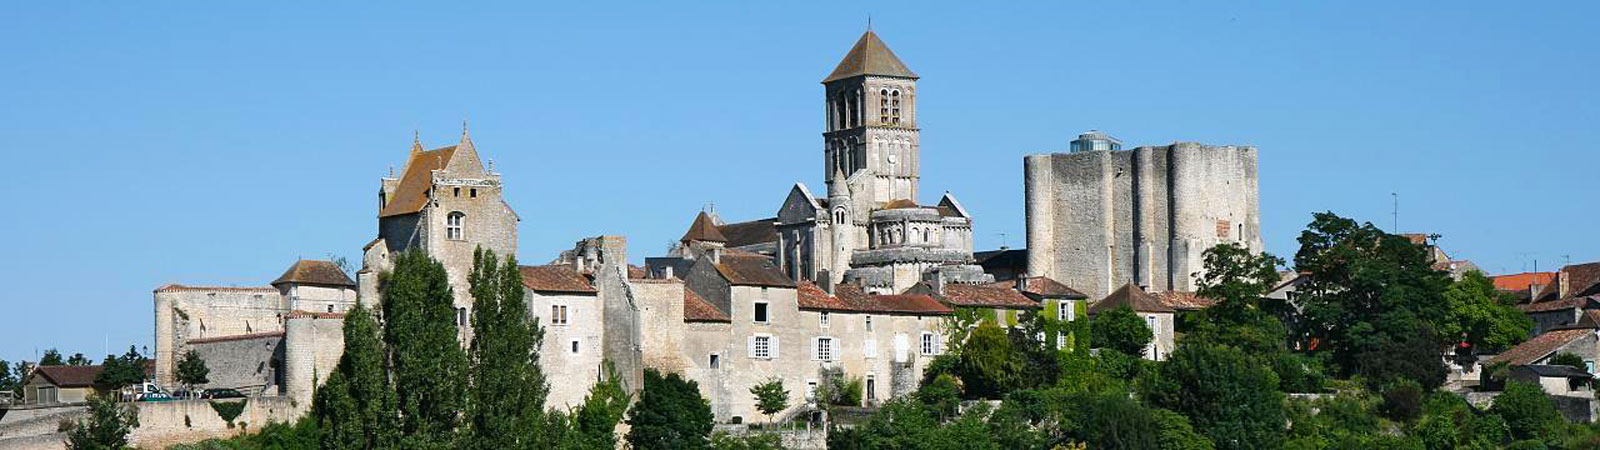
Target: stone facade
1099,219
251,363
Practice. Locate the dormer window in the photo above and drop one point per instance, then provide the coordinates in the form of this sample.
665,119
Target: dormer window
453,226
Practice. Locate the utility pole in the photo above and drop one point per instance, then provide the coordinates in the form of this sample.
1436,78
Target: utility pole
1396,196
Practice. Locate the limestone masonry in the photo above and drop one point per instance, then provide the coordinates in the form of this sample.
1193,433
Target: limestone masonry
860,281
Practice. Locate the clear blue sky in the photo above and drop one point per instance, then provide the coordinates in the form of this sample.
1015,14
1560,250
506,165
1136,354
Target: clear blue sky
150,143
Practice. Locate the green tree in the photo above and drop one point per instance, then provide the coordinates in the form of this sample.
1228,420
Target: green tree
78,359
1236,279
770,397
356,408
989,366
1486,317
1371,298
1176,433
192,369
1120,329
593,424
1232,400
9,380
429,367
1529,414
1449,422
670,414
122,371
757,441
1568,359
1107,420
19,372
107,426
52,357
508,389
942,396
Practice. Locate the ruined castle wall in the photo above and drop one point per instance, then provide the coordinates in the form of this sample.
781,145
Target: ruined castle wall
251,365
1100,219
661,325
183,313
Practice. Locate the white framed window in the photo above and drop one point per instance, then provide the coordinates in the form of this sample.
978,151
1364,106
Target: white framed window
811,389
1061,340
930,343
869,322
822,319
1152,322
763,346
558,314
761,314
454,226
824,349
869,348
1067,311
902,348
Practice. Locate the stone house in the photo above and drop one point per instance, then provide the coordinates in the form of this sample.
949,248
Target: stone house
1554,314
1157,316
998,303
1556,380
1059,303
567,305
48,385
1583,341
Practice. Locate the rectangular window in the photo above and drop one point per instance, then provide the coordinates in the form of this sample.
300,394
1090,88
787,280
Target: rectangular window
461,317
823,319
1150,321
929,344
869,323
811,389
558,314
872,387
1061,340
761,347
716,361
474,193
458,192
761,312
574,346
823,350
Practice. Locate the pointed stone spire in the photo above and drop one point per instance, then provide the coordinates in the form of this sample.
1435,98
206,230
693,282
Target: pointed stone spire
466,137
838,184
416,141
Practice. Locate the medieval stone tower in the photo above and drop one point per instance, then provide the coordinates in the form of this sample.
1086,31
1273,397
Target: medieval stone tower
445,203
872,134
1101,217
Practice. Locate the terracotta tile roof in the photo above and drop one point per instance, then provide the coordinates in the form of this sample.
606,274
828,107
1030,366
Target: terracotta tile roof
1540,346
703,229
411,195
180,287
870,56
1522,281
556,278
986,296
1589,319
239,337
1042,286
298,314
697,309
637,273
69,376
850,298
1183,300
310,271
1552,305
1132,296
750,233
1583,279
751,269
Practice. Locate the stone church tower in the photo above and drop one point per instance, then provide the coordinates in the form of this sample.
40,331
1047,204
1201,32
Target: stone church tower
445,203
872,134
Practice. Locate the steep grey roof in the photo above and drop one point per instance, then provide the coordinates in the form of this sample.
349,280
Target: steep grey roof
703,229
870,56
750,233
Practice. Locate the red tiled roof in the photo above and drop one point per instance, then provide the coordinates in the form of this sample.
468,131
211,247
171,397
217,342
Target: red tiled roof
703,229
1522,281
1042,286
988,296
309,271
1132,296
69,376
180,287
751,269
810,296
412,192
697,309
1183,300
298,314
238,337
637,273
1582,279
1540,346
555,278
859,300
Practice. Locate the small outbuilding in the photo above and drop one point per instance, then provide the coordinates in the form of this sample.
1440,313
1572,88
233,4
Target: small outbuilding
1556,380
49,385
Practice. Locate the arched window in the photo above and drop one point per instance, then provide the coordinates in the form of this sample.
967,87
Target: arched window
453,225
883,106
894,106
927,235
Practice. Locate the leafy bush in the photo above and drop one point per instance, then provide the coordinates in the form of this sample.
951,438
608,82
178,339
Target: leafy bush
229,410
1402,401
754,441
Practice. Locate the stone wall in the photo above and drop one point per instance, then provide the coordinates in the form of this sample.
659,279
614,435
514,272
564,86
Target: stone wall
313,345
250,363
169,423
1101,219
196,312
572,352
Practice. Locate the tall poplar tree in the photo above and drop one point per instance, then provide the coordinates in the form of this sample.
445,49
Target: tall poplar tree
507,387
356,407
429,366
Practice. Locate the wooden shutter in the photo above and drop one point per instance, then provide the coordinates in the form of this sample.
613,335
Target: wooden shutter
774,350
750,346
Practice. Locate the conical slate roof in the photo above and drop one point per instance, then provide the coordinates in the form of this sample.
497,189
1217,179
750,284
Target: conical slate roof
703,229
870,56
